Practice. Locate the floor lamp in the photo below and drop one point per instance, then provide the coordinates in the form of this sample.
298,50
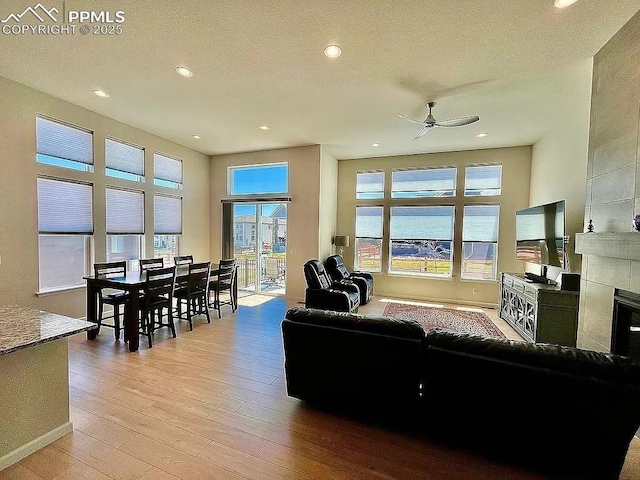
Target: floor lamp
341,241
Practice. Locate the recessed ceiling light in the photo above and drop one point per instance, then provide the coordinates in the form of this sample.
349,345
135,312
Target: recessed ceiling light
184,72
197,137
376,144
100,93
481,135
564,3
264,127
332,51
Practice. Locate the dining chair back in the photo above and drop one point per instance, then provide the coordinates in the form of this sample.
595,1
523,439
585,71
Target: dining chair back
158,295
195,292
183,260
149,263
224,281
115,298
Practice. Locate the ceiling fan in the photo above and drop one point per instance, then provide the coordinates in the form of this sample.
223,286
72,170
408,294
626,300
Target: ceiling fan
430,122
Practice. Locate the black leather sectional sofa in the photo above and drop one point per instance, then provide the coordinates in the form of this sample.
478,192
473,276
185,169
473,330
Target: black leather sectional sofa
558,410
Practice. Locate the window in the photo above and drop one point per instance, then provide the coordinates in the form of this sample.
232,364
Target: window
369,239
64,146
483,180
167,213
124,161
258,179
167,171
480,241
125,225
65,226
369,185
431,182
421,240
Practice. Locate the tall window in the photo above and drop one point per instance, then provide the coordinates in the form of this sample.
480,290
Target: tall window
125,225
167,221
483,180
480,241
124,161
63,145
369,185
369,238
422,240
167,171
65,226
420,183
258,179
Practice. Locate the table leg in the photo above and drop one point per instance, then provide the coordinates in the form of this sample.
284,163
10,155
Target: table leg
92,315
131,320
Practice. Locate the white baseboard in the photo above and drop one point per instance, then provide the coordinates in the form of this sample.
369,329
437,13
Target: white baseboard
421,298
35,445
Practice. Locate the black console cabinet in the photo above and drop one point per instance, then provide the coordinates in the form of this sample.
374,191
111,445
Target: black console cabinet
540,313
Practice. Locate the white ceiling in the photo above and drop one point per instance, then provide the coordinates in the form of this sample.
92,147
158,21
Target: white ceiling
512,62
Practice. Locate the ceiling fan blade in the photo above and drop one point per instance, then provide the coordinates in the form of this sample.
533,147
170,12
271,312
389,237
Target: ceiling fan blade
459,122
410,119
421,133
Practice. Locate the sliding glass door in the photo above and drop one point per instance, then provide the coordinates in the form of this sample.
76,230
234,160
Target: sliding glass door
260,239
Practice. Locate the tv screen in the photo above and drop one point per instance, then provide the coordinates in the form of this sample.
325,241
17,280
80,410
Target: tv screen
540,234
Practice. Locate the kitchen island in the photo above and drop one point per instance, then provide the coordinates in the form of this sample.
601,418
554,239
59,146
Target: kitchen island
34,364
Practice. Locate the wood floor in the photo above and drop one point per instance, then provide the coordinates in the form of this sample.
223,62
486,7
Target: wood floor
211,404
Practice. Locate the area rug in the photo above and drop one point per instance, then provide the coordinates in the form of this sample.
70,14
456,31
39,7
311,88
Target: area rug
461,321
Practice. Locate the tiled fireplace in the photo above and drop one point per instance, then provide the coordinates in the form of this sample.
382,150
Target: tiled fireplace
626,325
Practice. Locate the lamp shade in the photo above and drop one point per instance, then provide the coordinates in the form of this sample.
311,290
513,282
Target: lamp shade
341,240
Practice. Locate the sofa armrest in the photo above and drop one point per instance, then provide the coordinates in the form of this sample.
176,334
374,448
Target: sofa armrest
327,299
366,275
346,286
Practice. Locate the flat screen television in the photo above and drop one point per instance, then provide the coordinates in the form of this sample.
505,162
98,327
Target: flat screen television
540,234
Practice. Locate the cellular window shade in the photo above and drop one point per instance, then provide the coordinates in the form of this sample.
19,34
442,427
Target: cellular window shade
62,141
167,169
64,207
369,222
422,223
483,178
124,158
125,212
167,216
480,223
370,185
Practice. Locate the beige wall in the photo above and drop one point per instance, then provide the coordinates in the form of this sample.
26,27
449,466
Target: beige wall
559,159
516,163
613,179
302,215
328,204
18,195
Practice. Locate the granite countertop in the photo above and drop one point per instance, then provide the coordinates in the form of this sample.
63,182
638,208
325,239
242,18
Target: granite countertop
22,327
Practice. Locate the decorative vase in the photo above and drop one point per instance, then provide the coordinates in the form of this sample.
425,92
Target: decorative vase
636,221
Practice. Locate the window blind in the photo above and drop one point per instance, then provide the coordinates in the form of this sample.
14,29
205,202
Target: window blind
124,157
65,207
125,212
167,215
62,141
369,222
370,185
422,223
431,182
167,168
483,180
480,223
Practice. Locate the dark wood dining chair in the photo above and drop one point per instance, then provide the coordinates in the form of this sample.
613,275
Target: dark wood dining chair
148,263
158,295
195,293
183,260
115,298
224,281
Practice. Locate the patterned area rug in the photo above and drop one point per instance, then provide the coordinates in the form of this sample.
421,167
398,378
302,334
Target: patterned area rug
461,321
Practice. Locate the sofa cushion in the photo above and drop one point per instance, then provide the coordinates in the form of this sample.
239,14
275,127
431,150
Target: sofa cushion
603,366
395,327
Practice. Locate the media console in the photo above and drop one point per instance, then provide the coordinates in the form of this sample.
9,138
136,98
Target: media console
540,312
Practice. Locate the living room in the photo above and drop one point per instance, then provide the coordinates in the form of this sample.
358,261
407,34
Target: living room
550,165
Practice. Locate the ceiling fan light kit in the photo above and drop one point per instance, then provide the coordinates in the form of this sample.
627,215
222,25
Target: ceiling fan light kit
430,122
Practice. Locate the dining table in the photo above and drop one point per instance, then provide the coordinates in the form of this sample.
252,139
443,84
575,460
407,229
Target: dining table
132,283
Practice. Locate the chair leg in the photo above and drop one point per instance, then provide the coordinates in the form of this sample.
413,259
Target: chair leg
100,310
189,315
116,321
217,301
203,301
